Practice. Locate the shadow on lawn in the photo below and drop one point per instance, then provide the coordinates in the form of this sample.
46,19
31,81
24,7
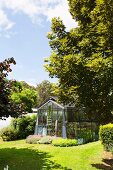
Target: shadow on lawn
27,159
106,165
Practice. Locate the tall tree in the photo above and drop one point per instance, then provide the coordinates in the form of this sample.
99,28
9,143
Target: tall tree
44,90
82,58
24,95
5,87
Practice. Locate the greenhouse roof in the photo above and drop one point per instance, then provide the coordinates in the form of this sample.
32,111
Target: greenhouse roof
52,100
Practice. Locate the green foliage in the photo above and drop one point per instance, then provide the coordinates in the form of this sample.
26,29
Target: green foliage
44,90
85,132
45,140
87,135
82,58
20,128
6,106
71,129
24,126
106,136
64,142
33,139
27,96
8,134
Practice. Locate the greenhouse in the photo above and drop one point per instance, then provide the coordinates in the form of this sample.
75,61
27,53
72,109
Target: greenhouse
67,121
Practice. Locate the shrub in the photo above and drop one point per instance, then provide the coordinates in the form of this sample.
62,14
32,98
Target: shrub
86,135
24,126
8,134
106,136
45,140
33,139
86,131
71,129
20,128
64,142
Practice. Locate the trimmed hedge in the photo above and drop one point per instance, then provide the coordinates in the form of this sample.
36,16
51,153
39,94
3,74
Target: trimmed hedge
106,136
64,142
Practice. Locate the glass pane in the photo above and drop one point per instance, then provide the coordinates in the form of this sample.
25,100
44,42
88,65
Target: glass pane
50,117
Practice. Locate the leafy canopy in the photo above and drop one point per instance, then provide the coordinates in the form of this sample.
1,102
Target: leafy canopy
82,58
45,89
24,95
5,87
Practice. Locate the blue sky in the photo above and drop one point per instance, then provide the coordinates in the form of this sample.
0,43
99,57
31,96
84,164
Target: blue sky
24,25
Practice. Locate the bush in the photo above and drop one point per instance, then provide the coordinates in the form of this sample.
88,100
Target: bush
20,128
85,131
25,126
8,134
71,130
86,135
106,136
64,142
33,139
45,140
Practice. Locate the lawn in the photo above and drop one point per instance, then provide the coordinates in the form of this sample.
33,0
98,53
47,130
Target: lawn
21,156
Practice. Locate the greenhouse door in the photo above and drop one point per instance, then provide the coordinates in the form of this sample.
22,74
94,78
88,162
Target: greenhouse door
42,130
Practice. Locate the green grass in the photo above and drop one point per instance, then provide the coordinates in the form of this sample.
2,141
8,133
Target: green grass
21,156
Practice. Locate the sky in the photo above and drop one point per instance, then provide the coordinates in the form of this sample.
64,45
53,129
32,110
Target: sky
24,25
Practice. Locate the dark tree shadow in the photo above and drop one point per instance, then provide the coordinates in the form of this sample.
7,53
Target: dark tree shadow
27,159
107,164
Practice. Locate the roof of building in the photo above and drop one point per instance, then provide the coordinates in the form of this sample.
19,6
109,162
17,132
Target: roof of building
54,101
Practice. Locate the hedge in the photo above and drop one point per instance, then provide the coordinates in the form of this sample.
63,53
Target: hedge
106,136
64,142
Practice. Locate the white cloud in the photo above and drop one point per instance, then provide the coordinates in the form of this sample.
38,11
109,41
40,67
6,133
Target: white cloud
61,10
5,23
31,81
34,9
